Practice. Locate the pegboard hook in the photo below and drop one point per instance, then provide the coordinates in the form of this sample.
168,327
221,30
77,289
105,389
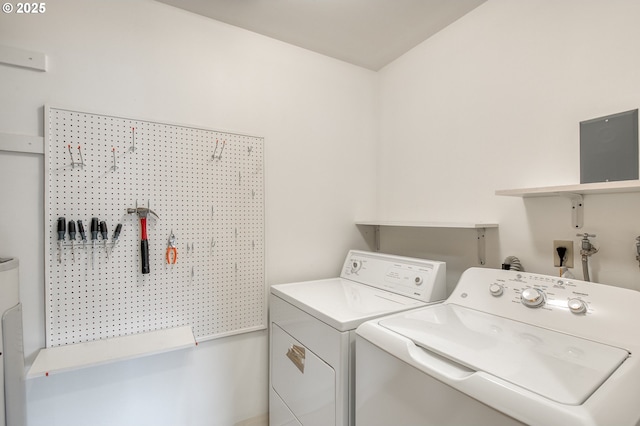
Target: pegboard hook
133,139
74,163
216,155
115,164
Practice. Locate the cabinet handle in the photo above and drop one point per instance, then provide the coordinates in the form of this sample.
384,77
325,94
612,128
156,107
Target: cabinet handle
297,354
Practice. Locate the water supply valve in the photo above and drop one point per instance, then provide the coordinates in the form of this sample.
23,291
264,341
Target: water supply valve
587,248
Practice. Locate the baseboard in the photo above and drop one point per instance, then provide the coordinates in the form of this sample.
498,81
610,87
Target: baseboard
261,420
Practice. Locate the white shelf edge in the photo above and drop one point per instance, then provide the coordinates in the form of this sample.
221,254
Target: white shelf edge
411,224
82,355
21,143
583,189
479,227
23,58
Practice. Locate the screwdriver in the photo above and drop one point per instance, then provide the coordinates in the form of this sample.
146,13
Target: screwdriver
72,237
105,235
62,225
83,234
94,237
116,235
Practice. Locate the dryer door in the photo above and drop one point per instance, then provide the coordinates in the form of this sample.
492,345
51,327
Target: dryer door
305,383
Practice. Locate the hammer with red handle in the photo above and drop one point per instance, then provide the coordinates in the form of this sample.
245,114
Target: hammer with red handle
142,213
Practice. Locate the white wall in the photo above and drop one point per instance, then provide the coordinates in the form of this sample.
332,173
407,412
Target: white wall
144,59
493,102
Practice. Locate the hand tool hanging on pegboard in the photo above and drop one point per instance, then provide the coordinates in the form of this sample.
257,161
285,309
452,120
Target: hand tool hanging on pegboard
172,250
83,234
143,213
94,238
72,237
102,226
62,229
116,235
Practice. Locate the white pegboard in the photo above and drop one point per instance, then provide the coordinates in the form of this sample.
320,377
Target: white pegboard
206,186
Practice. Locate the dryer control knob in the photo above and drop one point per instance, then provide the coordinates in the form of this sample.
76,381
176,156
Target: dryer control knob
496,290
577,306
532,298
418,280
355,266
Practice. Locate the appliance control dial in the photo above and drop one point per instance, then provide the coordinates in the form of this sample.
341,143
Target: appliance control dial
532,298
577,306
496,290
418,280
355,265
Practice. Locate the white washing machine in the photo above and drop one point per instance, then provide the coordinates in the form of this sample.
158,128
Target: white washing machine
313,332
505,348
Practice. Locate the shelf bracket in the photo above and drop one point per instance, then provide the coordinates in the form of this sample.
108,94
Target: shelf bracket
481,246
577,209
376,236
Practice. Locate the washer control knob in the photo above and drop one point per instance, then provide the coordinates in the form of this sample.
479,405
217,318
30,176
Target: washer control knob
418,280
496,290
355,265
532,298
577,306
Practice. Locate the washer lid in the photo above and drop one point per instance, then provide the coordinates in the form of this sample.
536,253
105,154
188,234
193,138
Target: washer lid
343,304
558,366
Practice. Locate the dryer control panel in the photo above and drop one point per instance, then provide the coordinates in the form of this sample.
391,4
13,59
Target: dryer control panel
419,279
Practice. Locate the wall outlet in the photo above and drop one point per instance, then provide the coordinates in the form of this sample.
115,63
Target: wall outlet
568,257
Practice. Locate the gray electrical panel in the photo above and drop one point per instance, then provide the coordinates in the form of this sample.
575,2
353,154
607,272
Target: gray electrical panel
609,148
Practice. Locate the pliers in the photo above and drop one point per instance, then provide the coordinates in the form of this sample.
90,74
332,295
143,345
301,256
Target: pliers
172,251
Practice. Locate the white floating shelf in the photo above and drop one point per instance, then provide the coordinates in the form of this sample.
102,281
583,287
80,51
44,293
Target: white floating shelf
23,58
574,193
22,143
463,225
81,355
478,226
581,189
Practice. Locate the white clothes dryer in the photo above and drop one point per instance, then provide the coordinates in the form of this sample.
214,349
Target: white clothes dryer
505,348
313,326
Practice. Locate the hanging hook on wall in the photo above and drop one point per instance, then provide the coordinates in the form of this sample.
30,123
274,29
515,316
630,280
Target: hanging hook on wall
133,139
115,164
74,163
216,155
